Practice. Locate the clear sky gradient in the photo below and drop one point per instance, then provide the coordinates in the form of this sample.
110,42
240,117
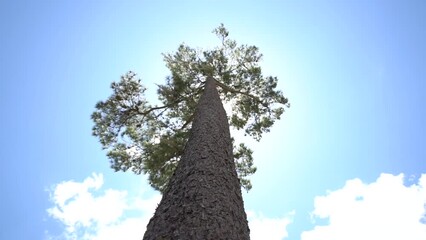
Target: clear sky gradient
354,72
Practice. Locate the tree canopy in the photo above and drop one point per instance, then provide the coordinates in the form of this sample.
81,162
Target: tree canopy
150,139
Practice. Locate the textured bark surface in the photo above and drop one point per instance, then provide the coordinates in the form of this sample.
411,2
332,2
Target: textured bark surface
203,200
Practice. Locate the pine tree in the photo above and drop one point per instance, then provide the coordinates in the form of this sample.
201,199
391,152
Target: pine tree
197,170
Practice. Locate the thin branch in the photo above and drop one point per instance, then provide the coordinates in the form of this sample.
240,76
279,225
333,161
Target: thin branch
161,113
232,90
157,108
188,121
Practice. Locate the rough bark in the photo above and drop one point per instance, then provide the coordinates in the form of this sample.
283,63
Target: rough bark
203,199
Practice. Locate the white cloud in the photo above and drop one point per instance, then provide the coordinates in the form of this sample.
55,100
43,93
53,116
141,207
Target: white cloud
262,227
385,209
90,213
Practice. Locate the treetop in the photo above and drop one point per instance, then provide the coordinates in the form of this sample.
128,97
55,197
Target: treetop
150,138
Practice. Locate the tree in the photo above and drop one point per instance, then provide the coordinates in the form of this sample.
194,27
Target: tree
198,177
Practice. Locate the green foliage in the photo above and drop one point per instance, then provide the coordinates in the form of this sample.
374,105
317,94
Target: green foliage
151,139
244,164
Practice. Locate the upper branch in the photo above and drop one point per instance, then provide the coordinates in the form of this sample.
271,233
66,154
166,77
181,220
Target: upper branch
232,90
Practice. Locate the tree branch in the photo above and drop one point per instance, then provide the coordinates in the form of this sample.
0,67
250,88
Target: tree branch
188,121
232,90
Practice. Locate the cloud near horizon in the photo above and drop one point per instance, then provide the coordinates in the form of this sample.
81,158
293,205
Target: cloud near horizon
385,209
89,212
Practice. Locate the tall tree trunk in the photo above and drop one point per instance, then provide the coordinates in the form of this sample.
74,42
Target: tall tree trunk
203,199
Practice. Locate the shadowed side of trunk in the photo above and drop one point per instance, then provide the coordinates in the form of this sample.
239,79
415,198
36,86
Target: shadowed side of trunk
203,199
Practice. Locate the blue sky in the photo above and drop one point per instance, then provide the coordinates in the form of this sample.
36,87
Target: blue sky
354,137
